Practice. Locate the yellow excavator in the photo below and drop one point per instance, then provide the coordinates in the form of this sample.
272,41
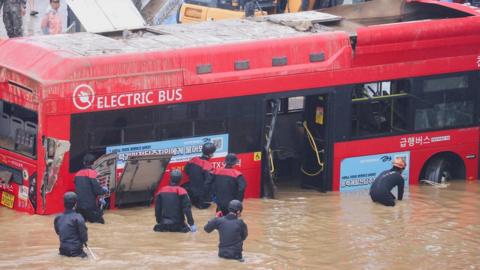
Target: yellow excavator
213,10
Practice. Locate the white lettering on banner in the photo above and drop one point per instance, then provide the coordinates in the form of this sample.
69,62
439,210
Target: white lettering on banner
114,101
7,187
441,138
359,182
478,61
169,95
84,96
421,140
23,192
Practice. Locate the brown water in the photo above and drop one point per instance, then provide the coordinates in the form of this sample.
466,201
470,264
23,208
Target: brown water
431,229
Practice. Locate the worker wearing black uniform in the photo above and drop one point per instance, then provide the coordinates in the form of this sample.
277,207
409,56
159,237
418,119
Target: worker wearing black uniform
199,170
380,191
87,189
71,229
227,184
232,230
172,205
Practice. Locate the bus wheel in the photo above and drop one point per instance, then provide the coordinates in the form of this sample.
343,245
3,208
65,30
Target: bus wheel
438,170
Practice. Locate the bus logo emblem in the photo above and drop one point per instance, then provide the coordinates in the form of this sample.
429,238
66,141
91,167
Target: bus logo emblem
83,96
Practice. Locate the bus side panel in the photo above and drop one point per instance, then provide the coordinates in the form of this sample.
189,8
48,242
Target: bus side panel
463,142
250,166
57,127
465,151
12,194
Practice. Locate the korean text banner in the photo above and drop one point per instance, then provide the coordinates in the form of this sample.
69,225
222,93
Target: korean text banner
181,149
359,172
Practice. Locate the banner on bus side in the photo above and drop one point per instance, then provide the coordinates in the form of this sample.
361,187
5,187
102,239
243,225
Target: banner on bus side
181,149
359,172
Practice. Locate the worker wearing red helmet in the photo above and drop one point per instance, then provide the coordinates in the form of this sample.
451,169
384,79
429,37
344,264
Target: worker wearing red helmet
380,191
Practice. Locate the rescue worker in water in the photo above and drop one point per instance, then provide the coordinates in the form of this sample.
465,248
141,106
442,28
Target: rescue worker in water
172,205
87,189
71,229
380,191
227,184
232,230
199,170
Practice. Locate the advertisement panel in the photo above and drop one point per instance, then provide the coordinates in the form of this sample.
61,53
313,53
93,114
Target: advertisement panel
358,173
181,149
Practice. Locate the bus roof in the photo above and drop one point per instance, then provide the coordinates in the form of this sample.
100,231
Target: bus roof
55,59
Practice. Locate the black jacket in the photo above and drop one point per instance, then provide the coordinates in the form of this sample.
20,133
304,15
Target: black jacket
199,171
227,184
385,182
232,231
172,205
87,189
71,229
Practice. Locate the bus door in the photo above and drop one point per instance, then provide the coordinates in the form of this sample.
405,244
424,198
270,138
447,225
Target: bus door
315,143
295,143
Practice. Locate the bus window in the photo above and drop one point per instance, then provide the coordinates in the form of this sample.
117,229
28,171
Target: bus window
445,101
296,103
18,129
379,108
239,117
245,124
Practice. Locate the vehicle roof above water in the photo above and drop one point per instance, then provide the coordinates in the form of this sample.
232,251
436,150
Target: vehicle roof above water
180,48
345,18
169,37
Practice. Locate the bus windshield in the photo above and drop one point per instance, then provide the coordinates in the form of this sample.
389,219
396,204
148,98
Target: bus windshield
18,129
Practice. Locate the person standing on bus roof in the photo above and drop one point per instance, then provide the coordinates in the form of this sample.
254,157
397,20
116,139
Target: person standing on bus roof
71,229
13,11
232,230
380,191
172,205
199,170
227,184
52,21
87,189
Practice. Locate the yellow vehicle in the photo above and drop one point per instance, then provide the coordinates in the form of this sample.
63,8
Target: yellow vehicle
213,10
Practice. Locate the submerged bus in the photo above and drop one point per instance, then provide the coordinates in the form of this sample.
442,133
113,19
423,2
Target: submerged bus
328,98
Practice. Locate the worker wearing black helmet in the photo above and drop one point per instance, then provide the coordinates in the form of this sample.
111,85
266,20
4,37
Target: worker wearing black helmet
172,205
227,184
87,189
380,191
199,171
232,230
71,229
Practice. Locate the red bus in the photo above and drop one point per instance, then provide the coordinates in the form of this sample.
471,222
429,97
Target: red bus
329,98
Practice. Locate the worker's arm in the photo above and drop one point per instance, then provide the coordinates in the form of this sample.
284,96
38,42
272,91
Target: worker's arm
241,185
244,232
209,183
55,224
211,225
82,229
188,168
401,184
97,189
187,208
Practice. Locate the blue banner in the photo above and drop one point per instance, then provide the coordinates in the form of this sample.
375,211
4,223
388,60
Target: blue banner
359,172
181,149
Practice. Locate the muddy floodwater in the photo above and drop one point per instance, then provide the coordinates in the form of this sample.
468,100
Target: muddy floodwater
432,228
